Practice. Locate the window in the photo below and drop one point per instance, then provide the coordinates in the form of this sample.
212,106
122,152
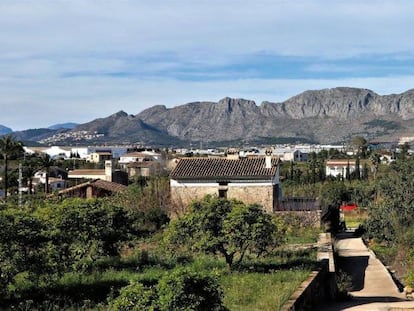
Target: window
222,193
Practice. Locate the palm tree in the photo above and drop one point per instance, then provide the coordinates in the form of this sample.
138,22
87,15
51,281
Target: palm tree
46,162
9,148
30,166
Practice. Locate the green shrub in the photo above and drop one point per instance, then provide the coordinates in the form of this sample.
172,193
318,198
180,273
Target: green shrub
135,297
188,290
344,283
226,227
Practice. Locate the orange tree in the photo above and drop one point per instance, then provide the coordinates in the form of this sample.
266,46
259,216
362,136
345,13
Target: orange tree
226,227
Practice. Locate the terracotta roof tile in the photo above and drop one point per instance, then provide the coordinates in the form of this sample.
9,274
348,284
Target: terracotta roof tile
141,164
137,154
98,183
340,162
87,172
223,168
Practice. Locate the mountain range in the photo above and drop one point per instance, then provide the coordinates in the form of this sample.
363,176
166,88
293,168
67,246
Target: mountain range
318,116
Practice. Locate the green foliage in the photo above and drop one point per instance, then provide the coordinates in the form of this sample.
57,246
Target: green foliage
135,297
86,230
298,229
344,284
385,253
59,237
24,248
381,223
334,194
10,148
316,167
184,289
261,291
227,227
293,189
360,145
148,203
409,279
393,213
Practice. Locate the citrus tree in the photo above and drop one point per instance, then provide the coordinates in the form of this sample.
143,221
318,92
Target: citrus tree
226,227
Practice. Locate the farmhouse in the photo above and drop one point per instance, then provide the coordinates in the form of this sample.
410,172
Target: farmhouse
251,180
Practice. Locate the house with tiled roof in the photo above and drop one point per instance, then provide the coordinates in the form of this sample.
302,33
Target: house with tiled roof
248,179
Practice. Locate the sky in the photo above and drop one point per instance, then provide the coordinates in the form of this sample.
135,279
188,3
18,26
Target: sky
78,60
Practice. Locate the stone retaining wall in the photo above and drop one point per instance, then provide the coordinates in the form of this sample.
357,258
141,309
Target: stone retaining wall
320,286
305,218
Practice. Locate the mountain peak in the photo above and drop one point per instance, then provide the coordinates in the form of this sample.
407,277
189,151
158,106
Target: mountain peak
119,114
4,130
68,126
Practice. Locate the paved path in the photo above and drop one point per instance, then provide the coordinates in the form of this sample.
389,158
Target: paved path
373,287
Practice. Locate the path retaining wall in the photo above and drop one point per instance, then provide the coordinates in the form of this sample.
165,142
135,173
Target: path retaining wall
320,286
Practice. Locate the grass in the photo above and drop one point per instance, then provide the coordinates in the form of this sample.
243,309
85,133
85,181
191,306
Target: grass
384,252
258,284
354,218
258,291
305,235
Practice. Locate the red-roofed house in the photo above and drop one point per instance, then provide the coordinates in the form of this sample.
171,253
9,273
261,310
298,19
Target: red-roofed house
251,180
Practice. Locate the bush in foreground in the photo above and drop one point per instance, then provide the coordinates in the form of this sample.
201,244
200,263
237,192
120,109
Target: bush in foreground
182,289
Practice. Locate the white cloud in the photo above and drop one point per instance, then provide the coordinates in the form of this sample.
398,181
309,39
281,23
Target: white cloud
59,59
331,28
99,97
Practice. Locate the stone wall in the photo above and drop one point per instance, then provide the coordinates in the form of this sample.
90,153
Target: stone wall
183,195
262,195
320,287
312,292
305,218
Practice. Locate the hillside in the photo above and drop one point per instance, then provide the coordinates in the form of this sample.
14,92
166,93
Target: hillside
4,130
320,116
325,116
121,128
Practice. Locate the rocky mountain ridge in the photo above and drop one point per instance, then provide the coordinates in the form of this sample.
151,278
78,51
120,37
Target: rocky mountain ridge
328,115
321,116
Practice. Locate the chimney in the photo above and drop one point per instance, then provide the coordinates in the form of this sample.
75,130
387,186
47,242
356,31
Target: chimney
268,158
108,170
232,154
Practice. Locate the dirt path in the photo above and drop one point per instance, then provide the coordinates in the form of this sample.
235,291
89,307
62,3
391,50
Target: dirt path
373,287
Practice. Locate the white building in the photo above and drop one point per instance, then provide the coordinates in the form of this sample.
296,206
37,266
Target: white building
337,168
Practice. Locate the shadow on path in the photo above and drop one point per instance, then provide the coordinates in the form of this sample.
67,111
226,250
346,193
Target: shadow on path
347,235
357,302
372,285
355,267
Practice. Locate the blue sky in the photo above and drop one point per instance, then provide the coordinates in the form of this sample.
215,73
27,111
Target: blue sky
77,60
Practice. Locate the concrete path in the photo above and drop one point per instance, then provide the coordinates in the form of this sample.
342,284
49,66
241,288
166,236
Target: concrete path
373,287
